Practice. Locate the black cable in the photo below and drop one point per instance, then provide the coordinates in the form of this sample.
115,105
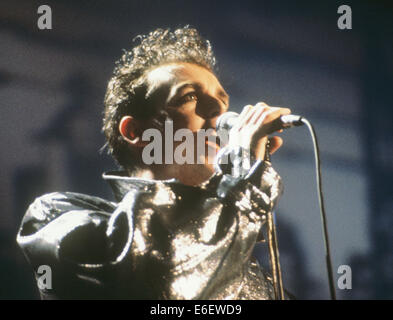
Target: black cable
322,208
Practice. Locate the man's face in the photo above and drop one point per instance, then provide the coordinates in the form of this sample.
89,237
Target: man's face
193,98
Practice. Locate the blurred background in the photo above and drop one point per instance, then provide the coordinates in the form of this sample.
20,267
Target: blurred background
286,53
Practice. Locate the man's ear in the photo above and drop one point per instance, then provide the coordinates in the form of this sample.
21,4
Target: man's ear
130,130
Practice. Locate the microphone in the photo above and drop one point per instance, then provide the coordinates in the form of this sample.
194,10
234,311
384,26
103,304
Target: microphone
228,119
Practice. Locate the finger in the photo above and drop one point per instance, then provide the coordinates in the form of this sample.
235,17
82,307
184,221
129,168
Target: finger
259,112
263,107
276,113
252,113
262,123
269,110
275,144
270,122
245,113
261,103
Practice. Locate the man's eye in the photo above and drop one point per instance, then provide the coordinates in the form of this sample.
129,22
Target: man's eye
189,97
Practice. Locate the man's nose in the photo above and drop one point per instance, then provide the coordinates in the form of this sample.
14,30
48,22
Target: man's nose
210,108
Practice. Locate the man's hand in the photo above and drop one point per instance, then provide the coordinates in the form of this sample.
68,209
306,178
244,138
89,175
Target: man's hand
254,124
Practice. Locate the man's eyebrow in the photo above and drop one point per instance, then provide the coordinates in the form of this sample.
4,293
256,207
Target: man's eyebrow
175,90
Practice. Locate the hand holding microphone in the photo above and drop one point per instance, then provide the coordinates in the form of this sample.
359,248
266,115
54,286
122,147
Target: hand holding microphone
251,128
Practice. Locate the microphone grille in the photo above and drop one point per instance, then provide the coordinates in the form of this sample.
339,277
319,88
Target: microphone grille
226,121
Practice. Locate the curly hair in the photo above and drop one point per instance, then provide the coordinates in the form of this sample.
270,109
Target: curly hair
127,89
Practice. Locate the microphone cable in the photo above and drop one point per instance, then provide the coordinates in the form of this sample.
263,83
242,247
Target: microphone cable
322,207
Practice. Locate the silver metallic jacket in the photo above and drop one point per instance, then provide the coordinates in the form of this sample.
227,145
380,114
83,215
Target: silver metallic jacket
161,240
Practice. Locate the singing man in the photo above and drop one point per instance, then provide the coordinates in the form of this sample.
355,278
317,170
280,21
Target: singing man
178,229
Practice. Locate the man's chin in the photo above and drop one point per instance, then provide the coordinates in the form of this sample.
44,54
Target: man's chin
195,174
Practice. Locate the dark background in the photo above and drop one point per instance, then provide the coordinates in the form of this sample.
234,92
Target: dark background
286,53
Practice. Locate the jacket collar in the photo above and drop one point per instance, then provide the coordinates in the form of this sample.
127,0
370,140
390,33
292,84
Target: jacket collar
121,183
